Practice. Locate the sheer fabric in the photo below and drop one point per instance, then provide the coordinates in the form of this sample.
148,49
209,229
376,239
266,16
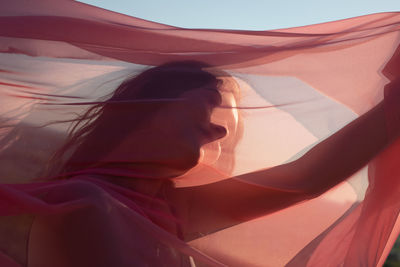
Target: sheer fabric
283,92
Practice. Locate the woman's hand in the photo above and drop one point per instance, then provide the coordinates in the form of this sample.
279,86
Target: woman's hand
392,108
392,67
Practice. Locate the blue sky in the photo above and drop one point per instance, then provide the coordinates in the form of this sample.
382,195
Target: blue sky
245,14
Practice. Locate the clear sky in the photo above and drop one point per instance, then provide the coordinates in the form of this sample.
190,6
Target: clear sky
245,14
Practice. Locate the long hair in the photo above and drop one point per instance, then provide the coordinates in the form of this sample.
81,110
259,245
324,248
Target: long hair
128,107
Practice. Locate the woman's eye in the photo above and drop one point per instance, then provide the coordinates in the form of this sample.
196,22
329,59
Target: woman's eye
214,97
201,112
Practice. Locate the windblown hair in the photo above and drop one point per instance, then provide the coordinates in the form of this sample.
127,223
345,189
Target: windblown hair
123,112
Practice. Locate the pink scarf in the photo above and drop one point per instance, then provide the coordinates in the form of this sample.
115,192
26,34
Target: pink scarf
287,91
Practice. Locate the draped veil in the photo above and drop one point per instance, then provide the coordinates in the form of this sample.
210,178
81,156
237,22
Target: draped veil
289,90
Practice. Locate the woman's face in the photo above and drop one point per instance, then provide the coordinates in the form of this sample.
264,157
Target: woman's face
185,126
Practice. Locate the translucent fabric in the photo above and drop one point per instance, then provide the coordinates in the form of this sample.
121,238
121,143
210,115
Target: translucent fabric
143,196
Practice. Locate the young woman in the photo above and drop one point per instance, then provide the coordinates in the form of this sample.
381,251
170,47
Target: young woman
123,152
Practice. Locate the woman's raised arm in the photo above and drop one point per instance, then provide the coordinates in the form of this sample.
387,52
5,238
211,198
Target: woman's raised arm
211,207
